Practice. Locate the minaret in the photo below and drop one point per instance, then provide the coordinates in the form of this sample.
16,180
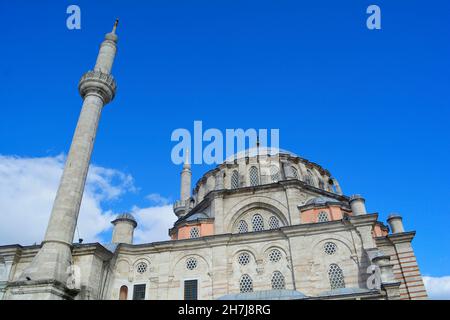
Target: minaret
52,264
186,176
182,206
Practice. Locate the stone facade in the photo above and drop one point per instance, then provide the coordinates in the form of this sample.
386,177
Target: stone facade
264,223
302,231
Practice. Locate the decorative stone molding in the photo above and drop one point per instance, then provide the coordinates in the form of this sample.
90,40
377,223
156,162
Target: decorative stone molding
99,83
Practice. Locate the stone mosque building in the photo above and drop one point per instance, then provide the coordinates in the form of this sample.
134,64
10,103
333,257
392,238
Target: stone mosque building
264,224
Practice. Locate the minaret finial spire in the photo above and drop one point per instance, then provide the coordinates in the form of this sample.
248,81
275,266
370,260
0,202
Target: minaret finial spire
116,23
186,159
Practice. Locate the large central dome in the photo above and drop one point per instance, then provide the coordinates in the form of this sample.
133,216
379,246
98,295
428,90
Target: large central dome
258,151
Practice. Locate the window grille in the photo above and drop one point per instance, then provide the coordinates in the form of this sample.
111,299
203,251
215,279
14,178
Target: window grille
194,232
139,292
274,173
246,284
322,217
235,180
275,255
294,172
329,248
254,177
274,223
336,277
258,223
242,227
278,282
244,259
191,263
190,290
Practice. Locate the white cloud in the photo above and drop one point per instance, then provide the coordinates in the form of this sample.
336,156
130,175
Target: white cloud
438,287
158,199
28,188
153,223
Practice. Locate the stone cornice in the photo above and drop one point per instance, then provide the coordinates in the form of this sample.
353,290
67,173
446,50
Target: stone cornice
252,190
396,238
365,219
92,249
242,238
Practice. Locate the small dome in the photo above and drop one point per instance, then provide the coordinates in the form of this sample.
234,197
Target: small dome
125,217
321,200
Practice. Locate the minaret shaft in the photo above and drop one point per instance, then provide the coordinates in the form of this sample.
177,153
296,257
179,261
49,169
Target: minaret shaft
67,203
186,177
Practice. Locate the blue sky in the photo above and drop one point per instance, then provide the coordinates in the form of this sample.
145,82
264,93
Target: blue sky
370,106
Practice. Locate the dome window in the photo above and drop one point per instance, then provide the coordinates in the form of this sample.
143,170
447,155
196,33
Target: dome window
254,176
309,179
235,180
321,184
141,268
294,172
274,173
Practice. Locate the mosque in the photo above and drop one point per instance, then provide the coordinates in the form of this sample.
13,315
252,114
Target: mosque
264,224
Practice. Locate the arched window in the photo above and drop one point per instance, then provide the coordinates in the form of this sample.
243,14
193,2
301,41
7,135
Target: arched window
275,255
278,282
274,223
330,248
321,184
309,178
235,179
242,226
244,259
254,177
191,263
246,284
322,217
274,173
331,186
257,222
294,172
141,268
336,277
123,293
194,232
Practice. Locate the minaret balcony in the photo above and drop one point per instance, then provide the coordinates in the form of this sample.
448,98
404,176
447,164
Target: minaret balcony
181,207
99,83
